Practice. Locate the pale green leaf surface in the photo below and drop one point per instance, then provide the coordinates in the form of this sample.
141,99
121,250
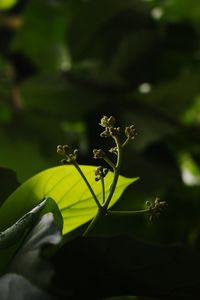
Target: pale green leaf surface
67,188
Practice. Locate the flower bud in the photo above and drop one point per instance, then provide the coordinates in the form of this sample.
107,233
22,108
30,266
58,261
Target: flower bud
130,132
98,153
60,150
107,122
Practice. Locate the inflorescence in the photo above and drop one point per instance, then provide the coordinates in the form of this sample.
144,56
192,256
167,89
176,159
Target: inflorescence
110,130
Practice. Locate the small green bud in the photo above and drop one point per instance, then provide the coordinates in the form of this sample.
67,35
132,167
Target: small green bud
130,132
75,154
60,150
156,208
105,133
107,122
110,132
98,153
66,149
65,152
100,172
113,150
114,131
148,203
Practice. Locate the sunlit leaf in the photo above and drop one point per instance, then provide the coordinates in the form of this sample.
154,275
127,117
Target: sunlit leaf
67,188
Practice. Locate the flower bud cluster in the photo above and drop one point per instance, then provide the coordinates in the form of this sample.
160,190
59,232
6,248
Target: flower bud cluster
130,132
99,153
100,173
109,129
156,208
113,150
69,157
107,122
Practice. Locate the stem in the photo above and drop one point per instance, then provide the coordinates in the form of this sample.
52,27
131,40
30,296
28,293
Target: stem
127,213
116,173
119,152
103,209
126,142
103,190
87,183
93,223
109,162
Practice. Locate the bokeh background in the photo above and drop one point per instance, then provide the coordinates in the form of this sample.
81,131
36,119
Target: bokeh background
65,63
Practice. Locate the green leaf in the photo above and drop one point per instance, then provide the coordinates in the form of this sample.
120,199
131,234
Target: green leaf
7,4
66,187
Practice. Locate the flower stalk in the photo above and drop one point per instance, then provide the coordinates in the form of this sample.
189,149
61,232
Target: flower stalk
109,131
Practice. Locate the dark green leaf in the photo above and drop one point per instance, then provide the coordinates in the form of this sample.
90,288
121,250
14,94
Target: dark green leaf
43,35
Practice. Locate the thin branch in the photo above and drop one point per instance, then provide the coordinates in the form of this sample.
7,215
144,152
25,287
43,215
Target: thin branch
128,213
126,142
116,173
87,183
94,222
103,190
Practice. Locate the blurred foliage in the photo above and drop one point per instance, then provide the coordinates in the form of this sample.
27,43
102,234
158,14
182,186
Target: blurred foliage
9,183
7,4
65,63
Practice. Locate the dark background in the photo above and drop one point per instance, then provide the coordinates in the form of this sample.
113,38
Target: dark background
66,63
